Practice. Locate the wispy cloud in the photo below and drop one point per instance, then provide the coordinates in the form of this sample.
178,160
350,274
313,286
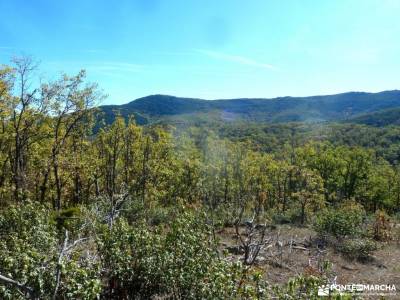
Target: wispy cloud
236,59
121,69
115,69
106,66
115,66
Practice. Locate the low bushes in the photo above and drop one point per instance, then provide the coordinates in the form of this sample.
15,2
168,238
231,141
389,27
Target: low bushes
345,229
179,263
340,223
120,261
32,253
357,248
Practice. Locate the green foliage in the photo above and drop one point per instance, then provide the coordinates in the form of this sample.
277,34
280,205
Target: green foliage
301,287
109,214
28,248
179,263
30,251
346,225
67,218
340,223
379,118
357,248
81,279
289,109
290,216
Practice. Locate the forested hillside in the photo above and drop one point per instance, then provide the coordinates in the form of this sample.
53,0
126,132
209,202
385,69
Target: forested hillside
286,109
379,118
186,212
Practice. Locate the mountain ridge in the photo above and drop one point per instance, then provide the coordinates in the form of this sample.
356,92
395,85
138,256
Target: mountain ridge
335,107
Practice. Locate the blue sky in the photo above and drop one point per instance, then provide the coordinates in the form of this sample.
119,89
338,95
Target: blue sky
210,49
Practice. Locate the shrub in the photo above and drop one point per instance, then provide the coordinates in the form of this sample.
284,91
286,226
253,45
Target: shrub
340,223
279,217
224,215
27,243
158,215
300,287
180,263
357,248
381,227
345,226
29,253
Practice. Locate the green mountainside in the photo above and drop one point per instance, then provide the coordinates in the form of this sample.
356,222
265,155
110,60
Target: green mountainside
358,106
379,118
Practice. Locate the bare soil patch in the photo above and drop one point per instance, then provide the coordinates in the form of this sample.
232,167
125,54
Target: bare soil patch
295,250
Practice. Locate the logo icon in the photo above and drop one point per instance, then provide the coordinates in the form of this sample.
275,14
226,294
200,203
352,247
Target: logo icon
323,290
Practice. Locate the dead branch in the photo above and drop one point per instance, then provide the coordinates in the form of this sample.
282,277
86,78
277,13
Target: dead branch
300,248
58,271
253,240
28,291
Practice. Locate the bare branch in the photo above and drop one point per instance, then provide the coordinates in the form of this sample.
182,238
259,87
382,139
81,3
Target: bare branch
58,272
26,289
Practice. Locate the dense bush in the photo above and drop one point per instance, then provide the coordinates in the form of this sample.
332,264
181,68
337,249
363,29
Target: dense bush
27,249
357,248
180,263
291,216
30,254
346,230
116,218
340,223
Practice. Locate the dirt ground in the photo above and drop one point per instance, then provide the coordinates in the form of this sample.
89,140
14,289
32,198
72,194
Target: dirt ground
295,250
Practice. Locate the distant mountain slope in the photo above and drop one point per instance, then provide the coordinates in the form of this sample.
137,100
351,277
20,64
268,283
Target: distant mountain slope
380,118
285,109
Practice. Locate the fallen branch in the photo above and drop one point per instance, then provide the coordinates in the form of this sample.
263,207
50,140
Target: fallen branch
26,289
300,248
